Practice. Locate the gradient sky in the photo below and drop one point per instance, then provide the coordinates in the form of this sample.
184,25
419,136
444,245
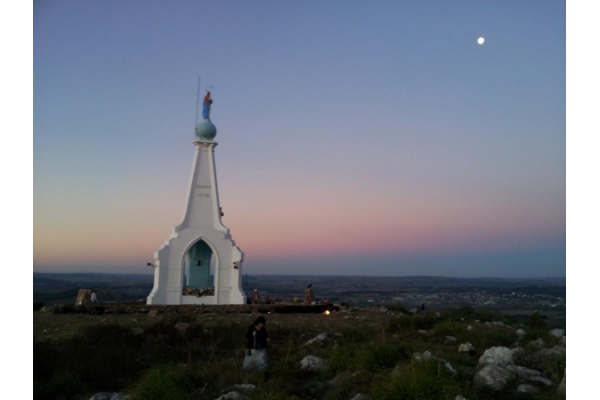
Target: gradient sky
355,137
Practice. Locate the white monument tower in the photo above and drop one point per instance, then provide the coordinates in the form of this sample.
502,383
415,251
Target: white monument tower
199,263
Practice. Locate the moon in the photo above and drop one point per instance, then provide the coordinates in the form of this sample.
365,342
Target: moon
481,40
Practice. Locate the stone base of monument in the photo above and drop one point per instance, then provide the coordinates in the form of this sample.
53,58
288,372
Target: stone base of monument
193,309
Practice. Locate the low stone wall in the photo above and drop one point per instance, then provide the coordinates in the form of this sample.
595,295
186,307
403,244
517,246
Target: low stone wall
191,309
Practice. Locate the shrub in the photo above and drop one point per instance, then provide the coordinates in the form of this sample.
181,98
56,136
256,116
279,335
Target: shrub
398,308
356,335
419,380
483,338
163,383
342,358
416,322
447,328
537,321
383,355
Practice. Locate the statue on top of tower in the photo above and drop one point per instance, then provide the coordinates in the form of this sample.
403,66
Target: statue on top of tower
206,106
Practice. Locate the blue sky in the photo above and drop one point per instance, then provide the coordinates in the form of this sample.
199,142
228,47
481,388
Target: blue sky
351,133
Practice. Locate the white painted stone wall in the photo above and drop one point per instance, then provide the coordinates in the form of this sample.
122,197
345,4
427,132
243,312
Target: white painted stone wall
201,221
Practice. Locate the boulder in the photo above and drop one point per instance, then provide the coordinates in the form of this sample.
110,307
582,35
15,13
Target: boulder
242,387
321,338
492,377
537,344
340,379
110,396
522,372
466,348
312,363
422,332
557,333
526,388
469,328
541,380
152,313
449,340
428,356
460,397
557,350
497,355
498,323
517,351
359,397
520,332
437,314
562,388
232,396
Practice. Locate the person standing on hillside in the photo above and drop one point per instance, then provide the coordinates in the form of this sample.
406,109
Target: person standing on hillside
94,298
256,345
255,296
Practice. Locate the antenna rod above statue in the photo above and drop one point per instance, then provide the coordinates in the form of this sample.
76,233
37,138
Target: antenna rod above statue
197,100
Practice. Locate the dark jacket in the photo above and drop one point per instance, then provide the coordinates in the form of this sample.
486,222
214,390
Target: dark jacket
260,341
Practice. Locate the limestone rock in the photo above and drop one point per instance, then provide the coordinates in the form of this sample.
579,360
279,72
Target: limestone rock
321,338
557,333
492,377
449,340
537,344
541,380
469,328
465,348
232,396
520,332
110,396
498,323
526,388
522,372
562,388
312,363
340,379
517,351
242,387
422,332
152,313
557,350
460,397
359,397
428,356
497,355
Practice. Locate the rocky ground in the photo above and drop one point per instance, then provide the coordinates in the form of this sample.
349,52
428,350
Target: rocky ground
352,354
